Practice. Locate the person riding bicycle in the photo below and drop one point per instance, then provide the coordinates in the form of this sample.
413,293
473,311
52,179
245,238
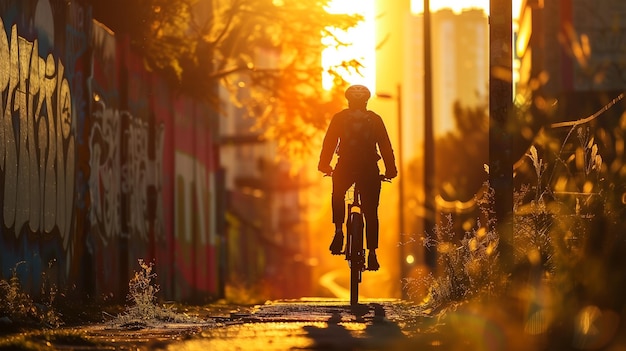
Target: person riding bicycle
354,133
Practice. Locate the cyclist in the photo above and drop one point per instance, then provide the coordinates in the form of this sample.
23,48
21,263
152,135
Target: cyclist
354,133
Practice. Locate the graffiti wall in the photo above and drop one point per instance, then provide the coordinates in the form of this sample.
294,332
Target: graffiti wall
100,164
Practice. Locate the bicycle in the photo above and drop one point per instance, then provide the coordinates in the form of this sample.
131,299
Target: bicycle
355,251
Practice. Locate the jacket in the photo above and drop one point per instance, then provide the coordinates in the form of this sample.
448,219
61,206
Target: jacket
337,132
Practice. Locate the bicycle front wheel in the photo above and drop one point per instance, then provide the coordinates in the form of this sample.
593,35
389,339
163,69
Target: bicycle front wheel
357,259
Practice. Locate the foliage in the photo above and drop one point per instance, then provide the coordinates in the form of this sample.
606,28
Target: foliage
568,237
19,309
469,266
460,154
266,54
142,293
586,191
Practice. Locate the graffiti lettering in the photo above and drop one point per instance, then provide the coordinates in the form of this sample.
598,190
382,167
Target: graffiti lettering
104,141
37,152
139,173
76,44
75,35
110,180
193,200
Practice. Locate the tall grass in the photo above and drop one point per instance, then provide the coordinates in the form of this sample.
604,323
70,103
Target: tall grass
569,241
467,267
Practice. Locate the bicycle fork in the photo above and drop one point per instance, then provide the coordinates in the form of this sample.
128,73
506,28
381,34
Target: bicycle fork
355,251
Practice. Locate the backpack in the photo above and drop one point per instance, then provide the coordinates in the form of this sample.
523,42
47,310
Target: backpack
357,140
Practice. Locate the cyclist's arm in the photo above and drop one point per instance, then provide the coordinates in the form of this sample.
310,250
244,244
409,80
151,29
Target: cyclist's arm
330,142
384,145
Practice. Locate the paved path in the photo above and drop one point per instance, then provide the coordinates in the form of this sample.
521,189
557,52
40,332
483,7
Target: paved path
309,324
313,324
302,324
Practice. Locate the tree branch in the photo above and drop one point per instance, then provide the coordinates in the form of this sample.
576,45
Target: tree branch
590,118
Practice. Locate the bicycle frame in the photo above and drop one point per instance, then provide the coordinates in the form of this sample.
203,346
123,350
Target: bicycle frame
355,252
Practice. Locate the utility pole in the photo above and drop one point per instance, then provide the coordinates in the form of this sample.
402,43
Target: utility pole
401,189
430,257
500,112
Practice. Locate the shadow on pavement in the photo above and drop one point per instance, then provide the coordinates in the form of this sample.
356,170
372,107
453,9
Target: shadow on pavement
334,336
346,331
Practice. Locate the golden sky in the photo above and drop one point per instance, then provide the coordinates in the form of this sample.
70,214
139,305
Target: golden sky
363,46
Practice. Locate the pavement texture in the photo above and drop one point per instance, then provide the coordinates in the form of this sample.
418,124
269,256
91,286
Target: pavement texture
302,324
326,324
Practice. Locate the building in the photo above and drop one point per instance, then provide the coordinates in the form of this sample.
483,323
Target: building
571,51
460,65
267,234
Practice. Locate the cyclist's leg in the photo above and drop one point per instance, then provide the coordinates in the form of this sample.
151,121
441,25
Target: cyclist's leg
370,196
341,182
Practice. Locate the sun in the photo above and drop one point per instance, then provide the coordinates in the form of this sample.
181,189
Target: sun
362,44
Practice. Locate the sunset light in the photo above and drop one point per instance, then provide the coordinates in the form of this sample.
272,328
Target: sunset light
313,175
360,44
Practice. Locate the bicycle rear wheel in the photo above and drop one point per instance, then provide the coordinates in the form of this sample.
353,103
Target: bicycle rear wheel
357,259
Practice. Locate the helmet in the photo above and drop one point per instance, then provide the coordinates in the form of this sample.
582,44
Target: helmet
358,93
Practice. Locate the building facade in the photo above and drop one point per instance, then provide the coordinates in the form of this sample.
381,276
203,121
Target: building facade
460,64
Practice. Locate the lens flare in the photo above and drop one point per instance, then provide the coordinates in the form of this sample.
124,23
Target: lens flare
410,259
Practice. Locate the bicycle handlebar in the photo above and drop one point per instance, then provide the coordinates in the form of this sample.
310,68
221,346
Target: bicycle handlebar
383,178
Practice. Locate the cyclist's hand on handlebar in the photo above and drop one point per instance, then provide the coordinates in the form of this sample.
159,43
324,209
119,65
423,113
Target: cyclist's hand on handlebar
391,173
326,169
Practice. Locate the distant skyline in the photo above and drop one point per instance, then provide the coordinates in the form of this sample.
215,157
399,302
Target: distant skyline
417,6
363,48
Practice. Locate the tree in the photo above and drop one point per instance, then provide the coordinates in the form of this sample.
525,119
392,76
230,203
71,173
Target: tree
461,154
202,44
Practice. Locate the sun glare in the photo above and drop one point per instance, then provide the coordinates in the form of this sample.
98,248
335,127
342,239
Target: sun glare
361,40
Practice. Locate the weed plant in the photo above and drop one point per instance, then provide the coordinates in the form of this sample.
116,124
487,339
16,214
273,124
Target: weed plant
144,310
469,267
18,309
